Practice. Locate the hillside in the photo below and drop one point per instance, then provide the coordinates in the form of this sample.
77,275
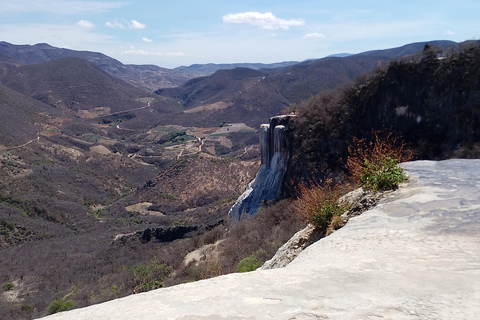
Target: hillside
150,77
20,116
253,96
80,156
431,102
72,84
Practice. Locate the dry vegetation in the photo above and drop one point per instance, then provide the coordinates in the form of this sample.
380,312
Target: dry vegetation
374,164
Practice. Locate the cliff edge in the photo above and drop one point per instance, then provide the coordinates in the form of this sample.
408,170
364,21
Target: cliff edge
413,256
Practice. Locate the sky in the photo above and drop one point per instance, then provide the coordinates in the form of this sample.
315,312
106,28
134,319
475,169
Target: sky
184,32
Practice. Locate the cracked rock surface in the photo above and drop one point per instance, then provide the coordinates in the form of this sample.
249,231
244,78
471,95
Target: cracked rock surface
415,255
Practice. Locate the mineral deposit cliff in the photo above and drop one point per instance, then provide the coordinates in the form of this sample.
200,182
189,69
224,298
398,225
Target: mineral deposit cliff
275,151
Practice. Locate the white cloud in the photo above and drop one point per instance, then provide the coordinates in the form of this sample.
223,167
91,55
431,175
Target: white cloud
115,24
85,24
315,35
140,52
147,40
134,24
448,33
122,23
264,20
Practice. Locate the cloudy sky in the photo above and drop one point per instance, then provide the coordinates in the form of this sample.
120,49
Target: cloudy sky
183,32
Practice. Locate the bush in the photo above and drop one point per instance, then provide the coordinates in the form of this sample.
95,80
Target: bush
319,204
151,276
250,263
7,286
59,306
384,174
374,165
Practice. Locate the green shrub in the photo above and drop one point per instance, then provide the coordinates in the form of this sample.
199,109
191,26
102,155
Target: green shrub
374,165
384,174
7,286
60,305
151,276
249,263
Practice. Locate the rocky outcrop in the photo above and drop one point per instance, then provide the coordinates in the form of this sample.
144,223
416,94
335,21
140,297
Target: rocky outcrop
275,151
358,201
292,248
160,234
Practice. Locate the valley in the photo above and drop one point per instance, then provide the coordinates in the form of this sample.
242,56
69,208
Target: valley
109,185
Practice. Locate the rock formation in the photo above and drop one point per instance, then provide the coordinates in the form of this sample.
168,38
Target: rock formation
275,154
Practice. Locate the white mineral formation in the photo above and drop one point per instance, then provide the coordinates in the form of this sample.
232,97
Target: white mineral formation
416,255
267,184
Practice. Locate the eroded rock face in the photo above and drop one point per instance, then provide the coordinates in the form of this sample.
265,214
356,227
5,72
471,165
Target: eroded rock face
275,154
291,249
358,201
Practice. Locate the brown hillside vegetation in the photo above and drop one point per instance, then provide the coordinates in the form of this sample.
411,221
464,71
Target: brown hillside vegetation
431,102
255,95
72,84
150,77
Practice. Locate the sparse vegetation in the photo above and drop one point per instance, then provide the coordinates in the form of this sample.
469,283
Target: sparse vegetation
8,286
60,305
319,204
251,262
374,165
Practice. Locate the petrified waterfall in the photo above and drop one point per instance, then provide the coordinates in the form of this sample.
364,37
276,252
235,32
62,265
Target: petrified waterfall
267,185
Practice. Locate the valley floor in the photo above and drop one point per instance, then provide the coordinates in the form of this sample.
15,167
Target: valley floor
413,256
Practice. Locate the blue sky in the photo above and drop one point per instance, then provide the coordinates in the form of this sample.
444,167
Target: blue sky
183,32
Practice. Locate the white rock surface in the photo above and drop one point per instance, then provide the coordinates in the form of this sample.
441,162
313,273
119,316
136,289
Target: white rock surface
416,255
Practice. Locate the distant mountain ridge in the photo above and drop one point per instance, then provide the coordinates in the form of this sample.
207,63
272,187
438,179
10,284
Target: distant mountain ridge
248,93
253,96
149,76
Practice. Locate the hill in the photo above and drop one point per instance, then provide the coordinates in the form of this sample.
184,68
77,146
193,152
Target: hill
20,116
72,84
252,96
430,101
151,77
146,76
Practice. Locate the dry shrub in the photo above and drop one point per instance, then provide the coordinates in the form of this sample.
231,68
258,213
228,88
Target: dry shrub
264,233
374,164
336,223
319,204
